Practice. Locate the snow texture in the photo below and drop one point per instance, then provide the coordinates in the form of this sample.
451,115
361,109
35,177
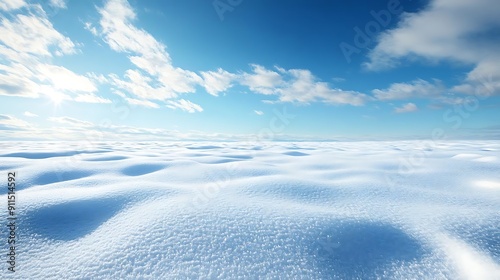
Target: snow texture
336,210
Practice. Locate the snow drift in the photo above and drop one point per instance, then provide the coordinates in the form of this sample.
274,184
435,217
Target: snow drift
337,210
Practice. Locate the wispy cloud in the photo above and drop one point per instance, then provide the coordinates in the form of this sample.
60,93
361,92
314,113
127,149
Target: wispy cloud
61,4
144,103
185,105
8,5
67,128
33,34
416,89
260,113
8,122
71,121
91,98
135,101
407,108
17,81
29,114
139,85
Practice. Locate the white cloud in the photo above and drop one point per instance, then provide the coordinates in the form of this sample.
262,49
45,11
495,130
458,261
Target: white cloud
156,78
416,89
64,79
185,105
217,81
144,103
122,36
71,121
17,81
97,78
54,95
29,114
34,34
8,5
338,79
28,41
8,122
260,113
265,101
61,4
88,26
42,79
262,80
304,87
484,80
464,31
145,52
298,85
407,108
67,128
140,85
91,98
446,29
136,102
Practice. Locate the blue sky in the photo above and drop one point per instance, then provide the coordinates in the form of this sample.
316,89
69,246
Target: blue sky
243,70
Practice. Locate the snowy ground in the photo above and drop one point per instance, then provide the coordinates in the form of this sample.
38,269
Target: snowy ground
343,210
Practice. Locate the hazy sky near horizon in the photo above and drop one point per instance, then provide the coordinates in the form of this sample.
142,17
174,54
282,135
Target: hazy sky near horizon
233,69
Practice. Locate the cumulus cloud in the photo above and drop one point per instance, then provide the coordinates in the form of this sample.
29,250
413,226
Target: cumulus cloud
298,85
28,41
446,29
463,31
184,105
156,78
304,87
161,80
261,80
217,81
406,108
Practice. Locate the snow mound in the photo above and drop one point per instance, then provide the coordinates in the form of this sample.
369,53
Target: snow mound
343,210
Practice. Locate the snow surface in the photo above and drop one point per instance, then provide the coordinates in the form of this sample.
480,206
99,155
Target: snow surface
336,210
